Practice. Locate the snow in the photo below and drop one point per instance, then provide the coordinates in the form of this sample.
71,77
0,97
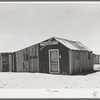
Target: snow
45,81
10,80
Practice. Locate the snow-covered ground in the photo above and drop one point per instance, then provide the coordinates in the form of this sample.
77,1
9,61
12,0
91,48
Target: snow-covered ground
42,80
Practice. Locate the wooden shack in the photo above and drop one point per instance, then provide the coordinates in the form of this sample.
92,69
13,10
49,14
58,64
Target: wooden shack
54,55
27,60
61,56
7,62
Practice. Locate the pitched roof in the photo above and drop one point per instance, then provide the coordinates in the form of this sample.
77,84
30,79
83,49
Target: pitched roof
73,45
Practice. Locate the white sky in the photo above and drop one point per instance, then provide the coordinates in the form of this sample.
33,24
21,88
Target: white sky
23,25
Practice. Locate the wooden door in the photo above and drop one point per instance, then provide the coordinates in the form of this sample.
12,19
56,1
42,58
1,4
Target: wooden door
54,61
26,62
32,64
5,63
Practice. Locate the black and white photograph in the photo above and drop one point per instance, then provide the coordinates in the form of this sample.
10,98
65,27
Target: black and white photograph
49,45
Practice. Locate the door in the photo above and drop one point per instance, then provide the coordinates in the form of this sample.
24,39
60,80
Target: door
33,62
5,63
26,62
54,61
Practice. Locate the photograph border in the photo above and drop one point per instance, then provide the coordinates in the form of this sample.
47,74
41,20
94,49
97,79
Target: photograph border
92,94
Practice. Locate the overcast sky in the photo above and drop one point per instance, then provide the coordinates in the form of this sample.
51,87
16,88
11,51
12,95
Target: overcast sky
22,25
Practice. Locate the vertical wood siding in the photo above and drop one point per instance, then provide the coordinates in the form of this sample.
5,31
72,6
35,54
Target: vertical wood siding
27,60
0,63
19,61
10,62
80,62
9,65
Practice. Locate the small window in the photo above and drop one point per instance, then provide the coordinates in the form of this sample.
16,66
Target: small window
25,57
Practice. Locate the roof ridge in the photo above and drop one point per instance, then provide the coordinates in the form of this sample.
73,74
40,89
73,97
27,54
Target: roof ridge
64,39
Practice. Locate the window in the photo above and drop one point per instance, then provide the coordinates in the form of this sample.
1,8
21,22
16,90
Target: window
25,57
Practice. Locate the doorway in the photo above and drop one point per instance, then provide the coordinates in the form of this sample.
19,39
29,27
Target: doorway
54,61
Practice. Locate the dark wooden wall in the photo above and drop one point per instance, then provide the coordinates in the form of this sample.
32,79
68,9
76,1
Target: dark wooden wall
0,63
80,62
63,61
27,60
7,62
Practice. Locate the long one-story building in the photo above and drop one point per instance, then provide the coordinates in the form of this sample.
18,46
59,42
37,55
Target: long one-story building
54,55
